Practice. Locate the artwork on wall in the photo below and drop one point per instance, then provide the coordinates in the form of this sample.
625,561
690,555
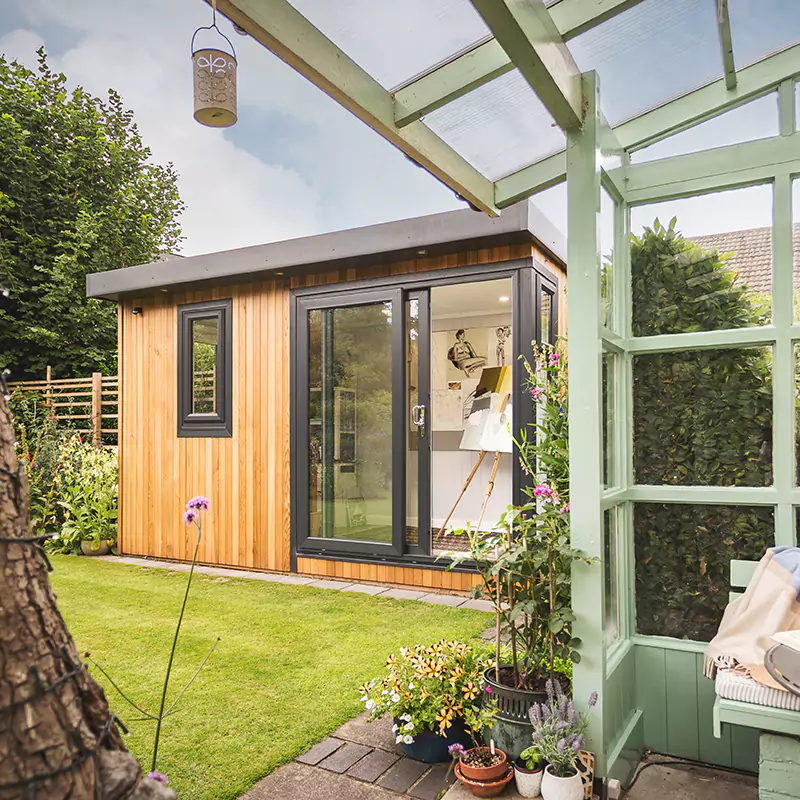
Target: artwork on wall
502,344
466,353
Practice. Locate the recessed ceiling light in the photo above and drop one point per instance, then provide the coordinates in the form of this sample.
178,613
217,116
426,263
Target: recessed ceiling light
504,299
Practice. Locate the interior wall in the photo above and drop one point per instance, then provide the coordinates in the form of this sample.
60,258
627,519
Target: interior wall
246,476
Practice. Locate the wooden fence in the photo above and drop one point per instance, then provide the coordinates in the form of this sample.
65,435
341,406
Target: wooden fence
88,406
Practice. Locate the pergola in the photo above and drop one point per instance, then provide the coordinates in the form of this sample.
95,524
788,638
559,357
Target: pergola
501,100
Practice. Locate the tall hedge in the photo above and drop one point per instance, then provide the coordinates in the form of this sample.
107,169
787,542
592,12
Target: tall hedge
701,417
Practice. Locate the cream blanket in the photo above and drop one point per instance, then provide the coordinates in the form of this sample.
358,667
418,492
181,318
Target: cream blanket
769,605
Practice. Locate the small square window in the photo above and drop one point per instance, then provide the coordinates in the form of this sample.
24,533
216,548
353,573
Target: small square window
204,369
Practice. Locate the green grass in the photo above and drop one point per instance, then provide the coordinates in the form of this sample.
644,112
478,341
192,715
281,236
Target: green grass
285,673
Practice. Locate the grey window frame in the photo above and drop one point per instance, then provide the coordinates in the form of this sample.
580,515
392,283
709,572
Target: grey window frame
220,423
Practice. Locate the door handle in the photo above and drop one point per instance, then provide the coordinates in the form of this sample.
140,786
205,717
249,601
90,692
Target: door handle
418,418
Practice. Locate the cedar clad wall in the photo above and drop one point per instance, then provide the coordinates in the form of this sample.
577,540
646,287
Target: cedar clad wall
246,476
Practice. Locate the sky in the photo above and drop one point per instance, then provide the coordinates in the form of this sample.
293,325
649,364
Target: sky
296,163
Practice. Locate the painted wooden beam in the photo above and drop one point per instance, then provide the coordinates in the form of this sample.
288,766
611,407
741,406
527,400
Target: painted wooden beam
487,60
528,181
709,101
284,31
480,64
726,43
529,36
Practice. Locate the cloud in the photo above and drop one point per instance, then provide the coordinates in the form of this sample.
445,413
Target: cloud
295,164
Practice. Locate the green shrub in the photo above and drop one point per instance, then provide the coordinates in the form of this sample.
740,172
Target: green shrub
87,491
701,417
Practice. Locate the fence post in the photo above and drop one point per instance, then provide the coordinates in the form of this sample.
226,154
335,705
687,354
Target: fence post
48,394
97,407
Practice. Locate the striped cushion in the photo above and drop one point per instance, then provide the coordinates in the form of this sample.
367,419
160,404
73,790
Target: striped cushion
734,686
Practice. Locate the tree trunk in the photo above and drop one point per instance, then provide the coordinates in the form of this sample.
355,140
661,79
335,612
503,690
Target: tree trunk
54,717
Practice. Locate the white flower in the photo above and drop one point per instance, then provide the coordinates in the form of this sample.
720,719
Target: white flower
406,717
394,728
398,739
395,698
409,726
411,685
365,698
370,705
408,739
385,692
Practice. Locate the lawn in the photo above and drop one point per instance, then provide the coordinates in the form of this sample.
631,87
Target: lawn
284,675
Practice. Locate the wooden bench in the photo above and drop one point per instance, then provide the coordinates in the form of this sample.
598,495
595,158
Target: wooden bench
779,728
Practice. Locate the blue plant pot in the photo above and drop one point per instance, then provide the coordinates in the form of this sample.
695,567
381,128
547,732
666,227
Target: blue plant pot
431,748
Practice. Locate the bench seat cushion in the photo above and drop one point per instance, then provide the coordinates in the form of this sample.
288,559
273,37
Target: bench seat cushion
731,685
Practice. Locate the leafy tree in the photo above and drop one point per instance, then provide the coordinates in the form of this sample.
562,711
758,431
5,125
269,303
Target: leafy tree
701,417
79,193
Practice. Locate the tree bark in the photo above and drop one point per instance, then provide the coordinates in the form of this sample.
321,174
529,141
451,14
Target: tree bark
49,723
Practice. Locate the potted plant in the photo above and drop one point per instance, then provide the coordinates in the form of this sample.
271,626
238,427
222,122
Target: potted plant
557,739
525,564
484,771
528,771
434,695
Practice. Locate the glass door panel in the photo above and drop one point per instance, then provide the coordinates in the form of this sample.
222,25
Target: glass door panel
352,369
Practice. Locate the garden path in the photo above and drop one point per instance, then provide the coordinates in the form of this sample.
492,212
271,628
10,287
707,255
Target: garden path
458,601
360,761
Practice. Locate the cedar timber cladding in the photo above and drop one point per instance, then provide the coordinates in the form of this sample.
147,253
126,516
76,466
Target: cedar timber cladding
246,476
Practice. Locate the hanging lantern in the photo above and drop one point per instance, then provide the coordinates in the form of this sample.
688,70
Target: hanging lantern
214,74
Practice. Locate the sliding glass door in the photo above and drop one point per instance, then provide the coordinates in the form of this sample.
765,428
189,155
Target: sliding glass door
406,397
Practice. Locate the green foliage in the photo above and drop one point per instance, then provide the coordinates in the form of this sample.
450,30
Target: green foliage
526,562
428,688
701,417
86,486
78,193
39,449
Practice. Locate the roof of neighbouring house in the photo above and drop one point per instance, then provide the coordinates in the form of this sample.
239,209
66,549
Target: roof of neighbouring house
432,235
751,254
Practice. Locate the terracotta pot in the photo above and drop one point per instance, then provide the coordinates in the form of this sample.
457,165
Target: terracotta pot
490,788
88,550
529,781
555,788
484,773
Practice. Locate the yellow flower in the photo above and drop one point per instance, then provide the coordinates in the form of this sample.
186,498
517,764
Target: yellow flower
391,662
364,688
423,695
469,690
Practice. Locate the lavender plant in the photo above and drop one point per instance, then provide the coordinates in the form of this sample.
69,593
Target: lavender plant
559,731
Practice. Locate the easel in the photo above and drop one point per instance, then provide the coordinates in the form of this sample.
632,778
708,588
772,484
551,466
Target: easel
489,487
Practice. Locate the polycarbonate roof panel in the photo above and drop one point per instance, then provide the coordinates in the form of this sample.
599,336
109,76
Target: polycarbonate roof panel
394,41
651,53
499,127
762,27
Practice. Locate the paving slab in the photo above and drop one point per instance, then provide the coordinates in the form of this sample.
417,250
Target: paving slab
365,588
345,757
442,599
372,766
687,782
404,594
477,605
320,750
373,734
404,774
323,584
433,783
294,580
301,782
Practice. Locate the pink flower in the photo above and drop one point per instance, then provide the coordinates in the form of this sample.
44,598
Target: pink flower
489,689
537,393
189,516
554,359
199,503
542,490
158,776
564,509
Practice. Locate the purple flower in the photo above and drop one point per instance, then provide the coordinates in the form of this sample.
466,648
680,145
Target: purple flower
199,503
456,750
189,516
572,716
548,687
592,699
578,743
535,714
158,776
561,745
546,713
536,736
562,725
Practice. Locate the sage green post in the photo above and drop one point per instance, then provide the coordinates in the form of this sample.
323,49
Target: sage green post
585,408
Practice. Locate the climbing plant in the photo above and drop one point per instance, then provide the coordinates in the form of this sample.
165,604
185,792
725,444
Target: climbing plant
701,417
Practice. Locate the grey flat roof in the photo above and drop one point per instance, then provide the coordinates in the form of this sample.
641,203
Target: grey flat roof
436,234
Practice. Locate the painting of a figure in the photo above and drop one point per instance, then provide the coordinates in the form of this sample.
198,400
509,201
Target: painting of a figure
503,334
463,356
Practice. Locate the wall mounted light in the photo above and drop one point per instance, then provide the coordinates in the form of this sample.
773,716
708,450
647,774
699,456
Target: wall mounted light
136,310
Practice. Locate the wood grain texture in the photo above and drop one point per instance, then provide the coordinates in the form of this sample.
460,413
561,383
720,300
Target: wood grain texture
246,476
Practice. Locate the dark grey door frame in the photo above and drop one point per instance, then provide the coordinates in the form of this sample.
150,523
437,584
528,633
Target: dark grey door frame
529,278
